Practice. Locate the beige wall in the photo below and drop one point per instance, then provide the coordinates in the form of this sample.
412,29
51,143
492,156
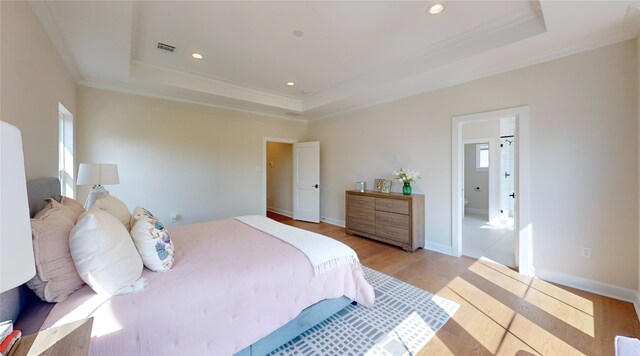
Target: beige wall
33,82
584,156
199,162
638,111
478,200
280,177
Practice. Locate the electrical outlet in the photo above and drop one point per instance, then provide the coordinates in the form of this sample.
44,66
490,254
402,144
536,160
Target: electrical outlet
585,252
174,217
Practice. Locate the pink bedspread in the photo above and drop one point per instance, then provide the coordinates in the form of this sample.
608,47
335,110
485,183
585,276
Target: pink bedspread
230,286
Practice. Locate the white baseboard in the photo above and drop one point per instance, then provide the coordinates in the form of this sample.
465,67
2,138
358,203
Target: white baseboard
605,289
332,221
476,211
280,211
438,247
636,304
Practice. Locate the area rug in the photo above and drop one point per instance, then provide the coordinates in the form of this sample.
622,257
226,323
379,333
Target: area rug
403,319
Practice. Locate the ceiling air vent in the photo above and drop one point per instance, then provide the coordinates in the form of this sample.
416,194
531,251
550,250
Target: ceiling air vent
165,47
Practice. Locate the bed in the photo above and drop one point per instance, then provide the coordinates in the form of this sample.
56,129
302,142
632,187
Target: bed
233,290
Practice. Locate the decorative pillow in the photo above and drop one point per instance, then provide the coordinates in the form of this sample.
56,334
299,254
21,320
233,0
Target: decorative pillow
115,207
56,276
104,255
152,241
73,205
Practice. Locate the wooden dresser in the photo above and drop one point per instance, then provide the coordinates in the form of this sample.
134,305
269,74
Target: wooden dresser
393,218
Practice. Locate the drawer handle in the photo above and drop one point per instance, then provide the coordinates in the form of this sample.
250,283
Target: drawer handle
389,205
361,225
390,219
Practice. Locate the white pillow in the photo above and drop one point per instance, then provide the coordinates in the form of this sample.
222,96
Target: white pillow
104,255
152,241
115,207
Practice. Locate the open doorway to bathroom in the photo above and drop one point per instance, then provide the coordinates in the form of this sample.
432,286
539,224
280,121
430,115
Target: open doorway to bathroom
485,231
490,190
487,223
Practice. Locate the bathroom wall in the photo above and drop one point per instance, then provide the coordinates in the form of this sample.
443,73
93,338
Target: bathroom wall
478,200
489,130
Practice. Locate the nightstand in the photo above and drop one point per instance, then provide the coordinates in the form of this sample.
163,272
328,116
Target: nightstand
70,339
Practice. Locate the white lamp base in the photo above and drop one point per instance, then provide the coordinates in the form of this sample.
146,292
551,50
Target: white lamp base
95,193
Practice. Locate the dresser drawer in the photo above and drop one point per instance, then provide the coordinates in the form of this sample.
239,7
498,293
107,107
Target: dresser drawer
392,205
398,220
393,233
360,201
361,225
364,214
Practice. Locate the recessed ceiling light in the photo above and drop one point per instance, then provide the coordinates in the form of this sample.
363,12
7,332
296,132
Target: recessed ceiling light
436,9
197,55
291,84
298,33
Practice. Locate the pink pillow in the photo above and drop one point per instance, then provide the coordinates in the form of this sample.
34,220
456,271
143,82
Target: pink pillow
56,276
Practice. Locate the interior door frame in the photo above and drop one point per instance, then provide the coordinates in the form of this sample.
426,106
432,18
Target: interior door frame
523,227
264,168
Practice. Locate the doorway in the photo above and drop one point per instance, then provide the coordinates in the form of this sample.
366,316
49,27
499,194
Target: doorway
279,169
505,219
295,191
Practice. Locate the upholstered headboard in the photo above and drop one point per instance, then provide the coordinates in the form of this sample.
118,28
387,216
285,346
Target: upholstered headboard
13,302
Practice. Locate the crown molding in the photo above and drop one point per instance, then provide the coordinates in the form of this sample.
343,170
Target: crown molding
610,38
631,21
44,16
503,31
128,89
158,74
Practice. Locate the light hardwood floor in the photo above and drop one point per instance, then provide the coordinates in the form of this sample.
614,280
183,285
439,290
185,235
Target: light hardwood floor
501,312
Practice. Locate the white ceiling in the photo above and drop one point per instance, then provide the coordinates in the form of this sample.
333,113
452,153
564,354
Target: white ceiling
352,54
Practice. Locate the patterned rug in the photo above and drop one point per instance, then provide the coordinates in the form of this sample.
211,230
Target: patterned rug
403,319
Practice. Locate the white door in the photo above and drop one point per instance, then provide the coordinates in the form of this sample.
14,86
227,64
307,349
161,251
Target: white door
306,181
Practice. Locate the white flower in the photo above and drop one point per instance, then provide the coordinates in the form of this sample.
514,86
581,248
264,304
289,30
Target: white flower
406,176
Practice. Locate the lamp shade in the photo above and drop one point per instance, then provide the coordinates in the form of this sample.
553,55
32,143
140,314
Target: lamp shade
16,250
97,174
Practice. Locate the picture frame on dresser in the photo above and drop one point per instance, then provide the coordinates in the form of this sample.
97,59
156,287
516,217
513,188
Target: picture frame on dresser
377,184
386,186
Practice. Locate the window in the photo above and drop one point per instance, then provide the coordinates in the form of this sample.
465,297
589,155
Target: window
482,157
65,152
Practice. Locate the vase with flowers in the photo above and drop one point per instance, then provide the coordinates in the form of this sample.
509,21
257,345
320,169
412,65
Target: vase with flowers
406,176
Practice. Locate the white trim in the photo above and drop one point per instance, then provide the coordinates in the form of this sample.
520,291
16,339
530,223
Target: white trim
438,247
477,211
215,86
589,285
280,211
43,13
523,230
333,221
263,201
636,304
122,88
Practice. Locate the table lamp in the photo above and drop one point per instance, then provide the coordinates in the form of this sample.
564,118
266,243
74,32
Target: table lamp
97,175
17,264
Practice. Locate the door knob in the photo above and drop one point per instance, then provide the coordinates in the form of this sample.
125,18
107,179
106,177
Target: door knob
513,195
315,186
